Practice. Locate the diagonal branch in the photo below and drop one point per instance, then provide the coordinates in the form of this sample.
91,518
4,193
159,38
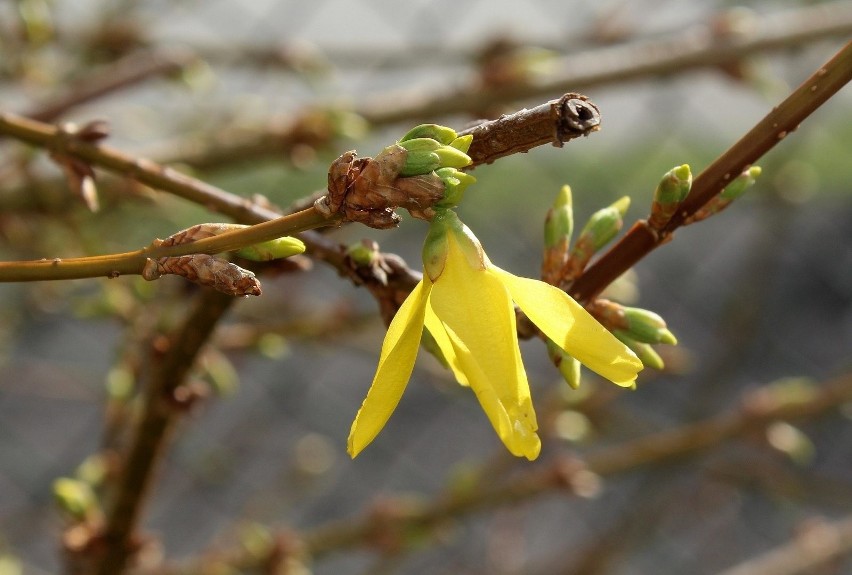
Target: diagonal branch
765,135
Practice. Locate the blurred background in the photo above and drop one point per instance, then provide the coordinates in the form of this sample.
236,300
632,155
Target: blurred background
257,98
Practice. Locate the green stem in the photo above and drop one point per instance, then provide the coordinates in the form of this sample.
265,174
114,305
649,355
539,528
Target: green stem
114,265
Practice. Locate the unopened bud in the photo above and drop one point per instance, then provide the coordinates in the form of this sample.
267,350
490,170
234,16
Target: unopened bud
672,189
75,497
732,191
558,228
567,365
363,253
559,223
442,134
462,143
601,228
646,354
741,183
647,327
273,249
452,157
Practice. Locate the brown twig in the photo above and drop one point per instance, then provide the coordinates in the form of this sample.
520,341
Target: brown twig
819,544
756,411
694,48
765,135
124,73
118,541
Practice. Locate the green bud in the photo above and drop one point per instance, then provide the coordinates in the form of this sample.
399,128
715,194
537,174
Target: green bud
647,327
455,183
646,354
363,253
604,224
559,223
75,497
674,185
421,145
420,162
567,365
462,143
741,183
442,134
452,158
672,189
273,249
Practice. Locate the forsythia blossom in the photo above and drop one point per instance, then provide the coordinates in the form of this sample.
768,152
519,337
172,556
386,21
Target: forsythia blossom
466,304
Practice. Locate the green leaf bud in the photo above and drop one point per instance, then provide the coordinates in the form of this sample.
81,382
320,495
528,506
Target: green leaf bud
604,224
442,134
559,222
646,354
462,143
420,145
75,497
732,191
647,327
568,366
670,192
362,253
420,162
741,183
452,158
674,185
272,249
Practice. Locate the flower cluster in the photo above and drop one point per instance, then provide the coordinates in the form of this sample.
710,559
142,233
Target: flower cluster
466,305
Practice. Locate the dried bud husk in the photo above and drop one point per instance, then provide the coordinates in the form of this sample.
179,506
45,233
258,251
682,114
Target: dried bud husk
205,270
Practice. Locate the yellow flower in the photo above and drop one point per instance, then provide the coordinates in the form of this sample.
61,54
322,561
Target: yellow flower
465,302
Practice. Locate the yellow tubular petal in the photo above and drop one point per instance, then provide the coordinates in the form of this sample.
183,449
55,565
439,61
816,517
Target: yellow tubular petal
396,363
439,334
571,327
479,321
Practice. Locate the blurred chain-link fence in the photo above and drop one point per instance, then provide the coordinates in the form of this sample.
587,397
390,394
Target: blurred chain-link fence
759,294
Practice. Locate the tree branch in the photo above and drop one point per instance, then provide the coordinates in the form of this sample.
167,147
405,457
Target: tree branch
756,411
765,135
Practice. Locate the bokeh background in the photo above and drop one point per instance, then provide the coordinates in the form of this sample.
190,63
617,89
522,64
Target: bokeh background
759,294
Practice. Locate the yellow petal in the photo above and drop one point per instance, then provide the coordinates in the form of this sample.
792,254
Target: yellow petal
571,327
439,334
479,321
396,363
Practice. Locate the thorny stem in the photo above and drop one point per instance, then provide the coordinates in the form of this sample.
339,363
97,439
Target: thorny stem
765,135
756,411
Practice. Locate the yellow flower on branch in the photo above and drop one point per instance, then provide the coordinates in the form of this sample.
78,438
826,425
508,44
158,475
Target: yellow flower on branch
466,304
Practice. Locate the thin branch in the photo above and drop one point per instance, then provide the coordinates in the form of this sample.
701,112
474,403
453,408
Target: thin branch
820,544
122,74
162,409
765,135
555,122
756,411
694,48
